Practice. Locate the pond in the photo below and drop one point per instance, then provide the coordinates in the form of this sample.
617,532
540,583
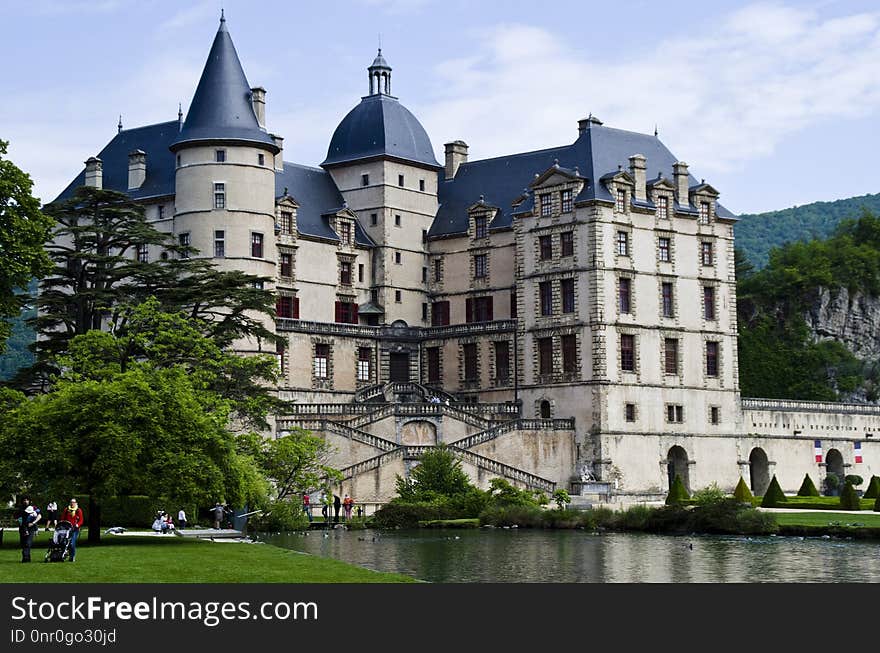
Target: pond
563,556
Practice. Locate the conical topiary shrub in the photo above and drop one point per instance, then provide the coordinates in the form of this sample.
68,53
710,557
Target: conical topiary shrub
873,491
808,488
678,493
774,496
849,498
877,504
742,493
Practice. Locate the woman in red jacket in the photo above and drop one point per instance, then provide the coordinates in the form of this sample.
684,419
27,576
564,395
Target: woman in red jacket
74,514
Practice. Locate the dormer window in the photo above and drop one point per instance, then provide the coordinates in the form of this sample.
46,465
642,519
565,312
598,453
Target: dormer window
481,226
546,205
663,207
620,203
705,209
220,156
345,233
565,200
285,222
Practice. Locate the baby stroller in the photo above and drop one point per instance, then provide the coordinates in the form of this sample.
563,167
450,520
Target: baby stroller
59,547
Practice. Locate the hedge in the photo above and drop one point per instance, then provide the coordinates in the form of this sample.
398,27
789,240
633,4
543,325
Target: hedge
877,504
774,496
849,498
808,488
873,491
742,492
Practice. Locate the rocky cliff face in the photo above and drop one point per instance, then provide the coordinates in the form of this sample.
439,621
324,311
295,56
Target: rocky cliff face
854,320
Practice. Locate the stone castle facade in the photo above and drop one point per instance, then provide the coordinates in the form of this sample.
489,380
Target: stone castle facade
560,318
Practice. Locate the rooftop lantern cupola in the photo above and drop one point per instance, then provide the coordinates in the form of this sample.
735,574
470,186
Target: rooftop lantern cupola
380,76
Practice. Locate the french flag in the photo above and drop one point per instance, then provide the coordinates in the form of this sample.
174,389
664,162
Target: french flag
858,452
817,448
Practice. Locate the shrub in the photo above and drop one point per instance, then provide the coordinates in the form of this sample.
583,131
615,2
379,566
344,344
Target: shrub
635,518
774,496
808,488
525,516
849,498
561,498
877,504
832,483
708,495
398,514
281,516
742,493
855,479
678,493
731,516
566,519
503,493
873,490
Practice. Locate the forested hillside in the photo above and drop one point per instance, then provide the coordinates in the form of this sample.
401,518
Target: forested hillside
757,234
17,354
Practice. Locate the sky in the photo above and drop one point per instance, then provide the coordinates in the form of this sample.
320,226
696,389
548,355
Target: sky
775,104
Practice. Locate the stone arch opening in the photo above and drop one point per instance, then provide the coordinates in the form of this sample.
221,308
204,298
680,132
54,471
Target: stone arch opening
417,433
544,408
677,464
834,465
759,471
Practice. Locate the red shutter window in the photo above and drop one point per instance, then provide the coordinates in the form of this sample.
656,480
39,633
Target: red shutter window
469,310
354,313
481,309
284,306
338,312
295,308
257,245
440,314
345,273
286,264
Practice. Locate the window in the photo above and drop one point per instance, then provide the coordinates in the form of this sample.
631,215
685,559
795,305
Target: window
545,356
345,233
285,222
565,200
347,312
433,364
620,204
711,358
424,311
397,257
706,253
422,185
566,243
709,302
143,253
363,364
478,309
674,413
622,243
284,306
502,361
220,156
360,272
322,359
396,220
512,304
545,290
440,314
569,354
286,264
365,179
219,243
628,352
438,270
714,415
567,292
256,245
624,295
663,207
257,284
481,266
160,211
668,302
545,247
705,208
183,241
470,362
345,273
424,235
374,219
670,355
398,296
665,252
480,227
546,205
424,275
219,195
629,412
261,159
400,180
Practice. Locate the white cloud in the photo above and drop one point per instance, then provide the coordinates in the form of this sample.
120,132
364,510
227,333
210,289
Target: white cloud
722,94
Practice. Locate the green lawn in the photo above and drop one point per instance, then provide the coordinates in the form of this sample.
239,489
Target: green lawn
824,518
178,560
817,503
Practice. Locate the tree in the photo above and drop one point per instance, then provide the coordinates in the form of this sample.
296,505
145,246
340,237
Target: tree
774,496
873,490
437,474
561,498
24,230
849,498
808,488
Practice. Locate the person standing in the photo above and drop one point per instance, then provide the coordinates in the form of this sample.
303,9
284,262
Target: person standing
73,514
27,527
337,503
347,504
181,519
51,515
218,515
307,506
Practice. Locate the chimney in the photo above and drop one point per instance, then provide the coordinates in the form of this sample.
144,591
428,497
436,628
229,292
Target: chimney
258,98
94,174
682,185
587,123
279,158
456,154
137,168
637,169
